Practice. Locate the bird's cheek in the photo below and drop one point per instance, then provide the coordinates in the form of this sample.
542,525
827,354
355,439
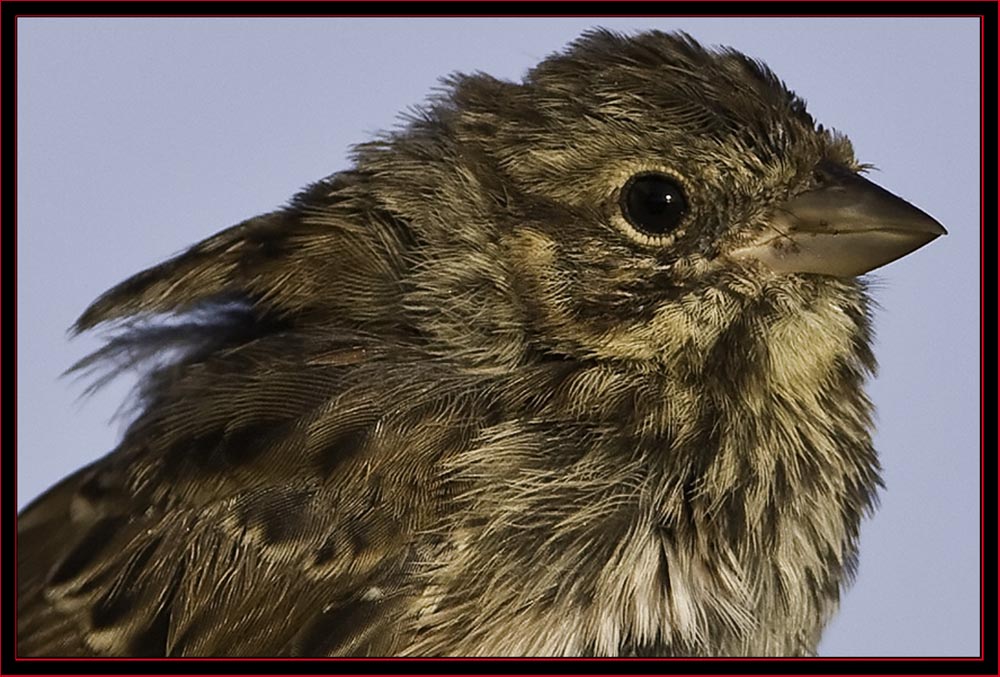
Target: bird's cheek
690,269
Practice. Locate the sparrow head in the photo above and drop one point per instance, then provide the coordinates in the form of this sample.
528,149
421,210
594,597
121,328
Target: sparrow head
629,200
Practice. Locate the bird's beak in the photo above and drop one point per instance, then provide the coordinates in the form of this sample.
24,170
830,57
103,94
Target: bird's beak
845,227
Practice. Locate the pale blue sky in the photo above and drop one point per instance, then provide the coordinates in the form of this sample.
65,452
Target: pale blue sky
137,138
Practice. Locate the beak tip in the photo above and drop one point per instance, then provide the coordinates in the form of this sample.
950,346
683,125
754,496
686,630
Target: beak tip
928,224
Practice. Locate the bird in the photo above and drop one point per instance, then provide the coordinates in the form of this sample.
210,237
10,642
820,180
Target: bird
567,366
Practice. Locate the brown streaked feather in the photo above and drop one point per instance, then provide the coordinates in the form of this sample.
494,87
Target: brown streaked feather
445,403
200,526
278,262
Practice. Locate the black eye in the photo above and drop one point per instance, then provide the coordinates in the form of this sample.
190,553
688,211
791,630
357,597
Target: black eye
653,203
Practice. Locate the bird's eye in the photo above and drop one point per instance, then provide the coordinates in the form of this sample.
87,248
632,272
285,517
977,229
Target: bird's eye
653,203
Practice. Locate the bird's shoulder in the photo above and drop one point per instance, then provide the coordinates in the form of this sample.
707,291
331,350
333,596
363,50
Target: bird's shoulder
276,515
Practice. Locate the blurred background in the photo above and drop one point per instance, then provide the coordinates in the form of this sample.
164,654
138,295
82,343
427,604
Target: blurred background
137,138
